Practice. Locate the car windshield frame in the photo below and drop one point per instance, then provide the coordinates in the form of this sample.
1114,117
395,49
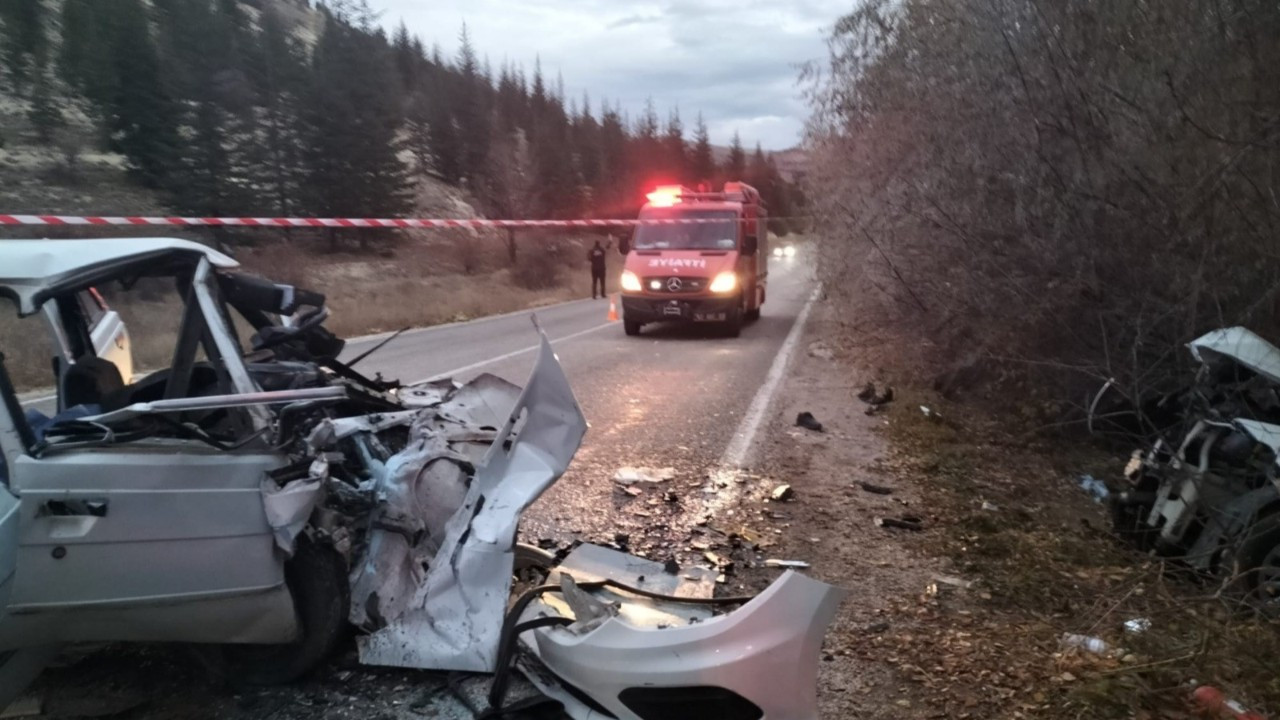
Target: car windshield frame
688,236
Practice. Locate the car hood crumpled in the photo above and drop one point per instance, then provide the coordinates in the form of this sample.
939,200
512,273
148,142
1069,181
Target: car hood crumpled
431,585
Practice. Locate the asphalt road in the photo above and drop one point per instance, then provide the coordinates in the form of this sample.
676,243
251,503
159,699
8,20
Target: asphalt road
673,397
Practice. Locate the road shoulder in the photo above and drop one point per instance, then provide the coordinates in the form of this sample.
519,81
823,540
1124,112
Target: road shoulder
830,523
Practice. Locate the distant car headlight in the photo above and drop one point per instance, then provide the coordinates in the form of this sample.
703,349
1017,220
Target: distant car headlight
790,251
724,282
777,252
630,283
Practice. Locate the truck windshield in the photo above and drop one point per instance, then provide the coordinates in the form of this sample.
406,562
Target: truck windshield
693,236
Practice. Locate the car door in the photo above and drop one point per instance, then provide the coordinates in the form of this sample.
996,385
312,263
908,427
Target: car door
107,331
157,540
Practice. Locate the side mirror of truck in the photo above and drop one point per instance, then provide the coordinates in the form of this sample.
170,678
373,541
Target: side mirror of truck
750,244
624,244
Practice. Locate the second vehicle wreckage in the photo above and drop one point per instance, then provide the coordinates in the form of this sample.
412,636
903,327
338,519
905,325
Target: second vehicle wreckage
1206,492
258,495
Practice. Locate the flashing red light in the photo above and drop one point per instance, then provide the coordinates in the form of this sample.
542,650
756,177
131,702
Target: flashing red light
665,195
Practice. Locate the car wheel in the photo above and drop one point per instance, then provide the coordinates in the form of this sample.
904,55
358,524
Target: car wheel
317,578
1257,566
631,327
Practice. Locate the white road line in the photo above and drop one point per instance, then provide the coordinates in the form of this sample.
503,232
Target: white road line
743,438
507,356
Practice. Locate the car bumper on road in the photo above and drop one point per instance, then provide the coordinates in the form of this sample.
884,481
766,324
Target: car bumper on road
651,309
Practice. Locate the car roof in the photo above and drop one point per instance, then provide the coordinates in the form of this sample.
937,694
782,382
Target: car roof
33,270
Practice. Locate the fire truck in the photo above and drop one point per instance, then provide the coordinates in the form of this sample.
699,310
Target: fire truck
708,263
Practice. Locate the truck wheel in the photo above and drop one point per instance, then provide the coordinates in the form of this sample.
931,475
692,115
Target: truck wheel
631,327
733,326
317,578
1257,566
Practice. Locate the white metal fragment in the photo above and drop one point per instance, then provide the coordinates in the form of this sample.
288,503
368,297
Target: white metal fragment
630,475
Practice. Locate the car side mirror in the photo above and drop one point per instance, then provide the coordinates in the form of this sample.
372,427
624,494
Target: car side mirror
624,245
750,244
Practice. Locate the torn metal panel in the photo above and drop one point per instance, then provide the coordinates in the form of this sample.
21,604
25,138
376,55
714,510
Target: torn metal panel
1241,345
454,618
764,655
1266,433
289,508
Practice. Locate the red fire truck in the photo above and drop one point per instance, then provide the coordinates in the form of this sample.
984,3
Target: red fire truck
713,270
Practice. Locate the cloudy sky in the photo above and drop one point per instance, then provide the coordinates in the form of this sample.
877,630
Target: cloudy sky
736,61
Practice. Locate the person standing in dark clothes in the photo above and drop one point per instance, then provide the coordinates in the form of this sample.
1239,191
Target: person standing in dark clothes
596,256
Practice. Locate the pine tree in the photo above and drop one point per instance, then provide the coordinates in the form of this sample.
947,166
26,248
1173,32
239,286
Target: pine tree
277,68
675,154
352,117
471,113
618,198
141,116
735,166
25,46
205,46
702,164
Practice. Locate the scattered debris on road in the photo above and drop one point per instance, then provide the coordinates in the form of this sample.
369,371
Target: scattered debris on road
867,393
631,475
990,506
876,489
821,351
1088,643
807,421
791,564
912,523
953,581
782,493
1094,487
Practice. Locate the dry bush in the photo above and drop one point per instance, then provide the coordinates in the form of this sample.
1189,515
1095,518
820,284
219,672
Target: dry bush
1073,189
544,259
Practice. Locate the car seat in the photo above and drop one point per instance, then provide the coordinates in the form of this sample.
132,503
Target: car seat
90,381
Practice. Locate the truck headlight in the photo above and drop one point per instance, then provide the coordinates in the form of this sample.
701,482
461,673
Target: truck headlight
724,282
790,251
630,283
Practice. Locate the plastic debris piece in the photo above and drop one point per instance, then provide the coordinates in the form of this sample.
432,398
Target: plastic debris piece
1096,488
789,564
783,493
633,491
1211,699
990,507
1098,646
1137,626
953,581
876,489
630,475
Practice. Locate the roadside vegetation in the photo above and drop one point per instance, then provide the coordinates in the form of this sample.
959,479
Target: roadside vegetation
1063,191
1022,200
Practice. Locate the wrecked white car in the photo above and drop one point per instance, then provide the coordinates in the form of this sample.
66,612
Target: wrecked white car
257,496
1208,494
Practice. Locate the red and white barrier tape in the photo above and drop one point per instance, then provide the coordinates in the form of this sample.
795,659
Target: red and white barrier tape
333,222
